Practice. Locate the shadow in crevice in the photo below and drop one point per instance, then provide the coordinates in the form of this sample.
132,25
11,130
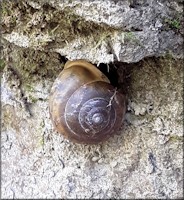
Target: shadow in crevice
111,72
119,74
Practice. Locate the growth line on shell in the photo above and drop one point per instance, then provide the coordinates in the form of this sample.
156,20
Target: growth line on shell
111,99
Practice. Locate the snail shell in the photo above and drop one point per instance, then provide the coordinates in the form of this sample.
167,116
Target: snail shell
83,105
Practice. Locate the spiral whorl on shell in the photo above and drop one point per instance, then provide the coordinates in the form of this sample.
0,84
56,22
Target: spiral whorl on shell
83,105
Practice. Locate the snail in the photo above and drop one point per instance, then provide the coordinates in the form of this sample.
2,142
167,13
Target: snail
84,107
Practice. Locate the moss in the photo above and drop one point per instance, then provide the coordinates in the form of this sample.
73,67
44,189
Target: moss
2,65
41,141
59,26
29,88
36,65
168,55
66,26
130,37
33,99
173,23
6,8
175,138
9,15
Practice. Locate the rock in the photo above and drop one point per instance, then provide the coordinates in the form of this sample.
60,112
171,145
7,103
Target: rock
111,30
145,158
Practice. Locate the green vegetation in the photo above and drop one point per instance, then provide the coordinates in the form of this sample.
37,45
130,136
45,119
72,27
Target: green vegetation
8,14
175,138
168,55
33,99
4,9
130,37
173,23
2,65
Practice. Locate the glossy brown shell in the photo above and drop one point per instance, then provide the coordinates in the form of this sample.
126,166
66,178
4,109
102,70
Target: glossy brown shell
83,105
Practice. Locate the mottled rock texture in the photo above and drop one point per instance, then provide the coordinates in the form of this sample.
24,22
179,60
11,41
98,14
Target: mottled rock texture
126,30
138,43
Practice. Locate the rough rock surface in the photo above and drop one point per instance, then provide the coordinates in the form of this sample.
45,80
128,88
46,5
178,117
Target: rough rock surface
112,30
145,158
